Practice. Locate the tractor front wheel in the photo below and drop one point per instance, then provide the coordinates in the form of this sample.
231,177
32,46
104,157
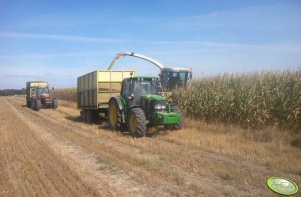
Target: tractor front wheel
136,122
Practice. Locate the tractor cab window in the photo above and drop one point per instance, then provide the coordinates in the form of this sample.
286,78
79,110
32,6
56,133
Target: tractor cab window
146,86
43,90
34,91
126,89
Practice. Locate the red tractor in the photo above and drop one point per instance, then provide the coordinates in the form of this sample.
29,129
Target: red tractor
39,96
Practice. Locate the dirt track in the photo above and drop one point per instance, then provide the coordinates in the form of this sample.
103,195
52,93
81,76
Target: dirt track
51,153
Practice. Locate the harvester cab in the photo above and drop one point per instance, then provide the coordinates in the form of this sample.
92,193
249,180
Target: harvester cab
139,106
172,78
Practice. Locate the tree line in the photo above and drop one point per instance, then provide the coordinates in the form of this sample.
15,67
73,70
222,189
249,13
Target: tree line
10,92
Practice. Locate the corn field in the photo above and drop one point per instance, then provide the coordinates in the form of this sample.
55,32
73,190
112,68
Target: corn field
67,94
251,100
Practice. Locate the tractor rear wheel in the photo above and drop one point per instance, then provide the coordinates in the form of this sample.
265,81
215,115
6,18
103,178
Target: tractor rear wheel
136,122
32,104
180,124
114,120
38,105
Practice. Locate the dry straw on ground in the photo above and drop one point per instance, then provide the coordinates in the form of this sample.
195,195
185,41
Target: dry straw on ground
200,160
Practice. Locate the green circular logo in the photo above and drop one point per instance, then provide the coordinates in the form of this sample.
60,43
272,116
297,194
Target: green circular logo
282,186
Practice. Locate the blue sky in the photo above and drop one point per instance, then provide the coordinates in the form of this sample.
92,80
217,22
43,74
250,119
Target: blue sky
57,41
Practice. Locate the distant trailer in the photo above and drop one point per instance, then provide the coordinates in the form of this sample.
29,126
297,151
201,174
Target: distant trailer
95,89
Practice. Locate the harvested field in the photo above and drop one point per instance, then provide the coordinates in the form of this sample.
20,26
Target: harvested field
51,153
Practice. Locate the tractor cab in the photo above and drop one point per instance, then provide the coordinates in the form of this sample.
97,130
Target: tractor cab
42,90
172,78
134,88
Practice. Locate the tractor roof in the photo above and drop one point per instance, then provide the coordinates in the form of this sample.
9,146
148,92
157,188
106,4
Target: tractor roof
149,77
178,69
144,77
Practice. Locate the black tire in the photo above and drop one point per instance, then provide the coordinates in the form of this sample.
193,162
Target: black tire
168,127
114,116
38,105
136,122
54,104
32,104
180,124
83,115
89,116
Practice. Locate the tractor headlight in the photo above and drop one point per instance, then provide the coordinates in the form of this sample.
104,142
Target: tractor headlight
160,106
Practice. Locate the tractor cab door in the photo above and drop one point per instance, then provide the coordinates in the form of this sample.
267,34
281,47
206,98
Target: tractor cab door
130,93
126,92
139,87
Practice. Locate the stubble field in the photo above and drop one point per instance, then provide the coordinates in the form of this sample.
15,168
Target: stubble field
52,153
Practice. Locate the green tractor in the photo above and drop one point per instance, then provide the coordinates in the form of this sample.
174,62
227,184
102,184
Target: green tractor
139,106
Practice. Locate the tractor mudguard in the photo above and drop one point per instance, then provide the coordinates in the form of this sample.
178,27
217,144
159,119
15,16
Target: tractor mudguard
134,106
118,101
120,107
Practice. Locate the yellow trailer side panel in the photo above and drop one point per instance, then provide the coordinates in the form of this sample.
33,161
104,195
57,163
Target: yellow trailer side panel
94,89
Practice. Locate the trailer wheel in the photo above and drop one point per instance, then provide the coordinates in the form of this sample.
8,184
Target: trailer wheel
136,122
89,116
180,124
113,120
83,115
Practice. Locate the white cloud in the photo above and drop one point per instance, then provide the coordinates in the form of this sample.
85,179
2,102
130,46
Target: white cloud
36,36
30,56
